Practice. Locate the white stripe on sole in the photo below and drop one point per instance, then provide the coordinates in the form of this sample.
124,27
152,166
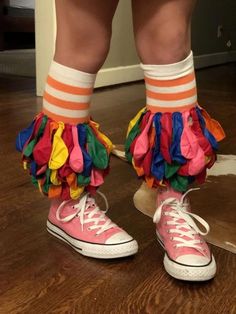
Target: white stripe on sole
190,273
187,273
92,249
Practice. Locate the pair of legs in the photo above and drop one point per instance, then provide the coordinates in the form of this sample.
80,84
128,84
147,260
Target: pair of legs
170,142
162,31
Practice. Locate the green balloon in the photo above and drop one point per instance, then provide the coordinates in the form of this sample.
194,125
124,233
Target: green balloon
171,169
134,132
30,147
179,183
34,181
96,150
82,180
47,181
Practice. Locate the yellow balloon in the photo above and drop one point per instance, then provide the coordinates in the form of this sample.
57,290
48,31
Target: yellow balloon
53,178
25,165
60,152
134,120
102,136
75,193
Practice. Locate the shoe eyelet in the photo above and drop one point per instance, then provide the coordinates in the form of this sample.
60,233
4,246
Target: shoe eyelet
89,229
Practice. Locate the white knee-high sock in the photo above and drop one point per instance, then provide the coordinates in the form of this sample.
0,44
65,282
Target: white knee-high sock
170,87
68,94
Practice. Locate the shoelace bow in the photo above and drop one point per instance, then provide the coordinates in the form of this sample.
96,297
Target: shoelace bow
179,211
81,211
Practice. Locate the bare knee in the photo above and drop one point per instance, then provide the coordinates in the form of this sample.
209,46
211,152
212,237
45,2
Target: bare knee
84,50
90,52
163,44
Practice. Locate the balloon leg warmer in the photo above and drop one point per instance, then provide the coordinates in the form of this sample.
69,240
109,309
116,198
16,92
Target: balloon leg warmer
64,160
172,141
63,148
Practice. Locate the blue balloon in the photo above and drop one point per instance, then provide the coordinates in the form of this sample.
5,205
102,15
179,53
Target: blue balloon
33,168
158,163
212,140
23,137
175,150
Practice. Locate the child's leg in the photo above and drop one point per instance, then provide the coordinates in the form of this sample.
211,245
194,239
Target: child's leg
83,33
168,141
82,43
162,30
67,155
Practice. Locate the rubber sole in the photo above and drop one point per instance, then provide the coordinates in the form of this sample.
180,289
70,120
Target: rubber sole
185,272
190,273
103,251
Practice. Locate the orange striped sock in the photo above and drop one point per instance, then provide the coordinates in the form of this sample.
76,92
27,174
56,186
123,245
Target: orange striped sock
170,87
67,94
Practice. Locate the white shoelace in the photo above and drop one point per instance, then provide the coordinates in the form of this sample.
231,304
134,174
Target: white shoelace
179,211
80,211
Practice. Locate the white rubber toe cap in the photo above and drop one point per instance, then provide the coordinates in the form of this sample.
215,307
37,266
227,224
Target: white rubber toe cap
193,260
119,237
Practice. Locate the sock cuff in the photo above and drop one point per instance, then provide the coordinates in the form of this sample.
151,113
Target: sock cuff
170,87
169,71
67,94
74,76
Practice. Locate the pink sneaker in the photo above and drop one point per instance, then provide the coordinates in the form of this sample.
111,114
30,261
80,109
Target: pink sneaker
87,229
187,255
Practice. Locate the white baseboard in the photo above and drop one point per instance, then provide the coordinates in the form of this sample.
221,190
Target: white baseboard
132,73
22,62
118,75
18,62
211,59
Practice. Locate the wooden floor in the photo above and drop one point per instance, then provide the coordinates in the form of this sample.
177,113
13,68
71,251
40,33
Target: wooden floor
39,274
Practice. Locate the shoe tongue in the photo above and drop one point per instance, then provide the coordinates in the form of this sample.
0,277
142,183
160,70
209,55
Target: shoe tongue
168,193
68,207
90,201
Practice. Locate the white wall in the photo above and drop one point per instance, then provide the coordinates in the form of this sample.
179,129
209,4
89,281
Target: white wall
45,30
